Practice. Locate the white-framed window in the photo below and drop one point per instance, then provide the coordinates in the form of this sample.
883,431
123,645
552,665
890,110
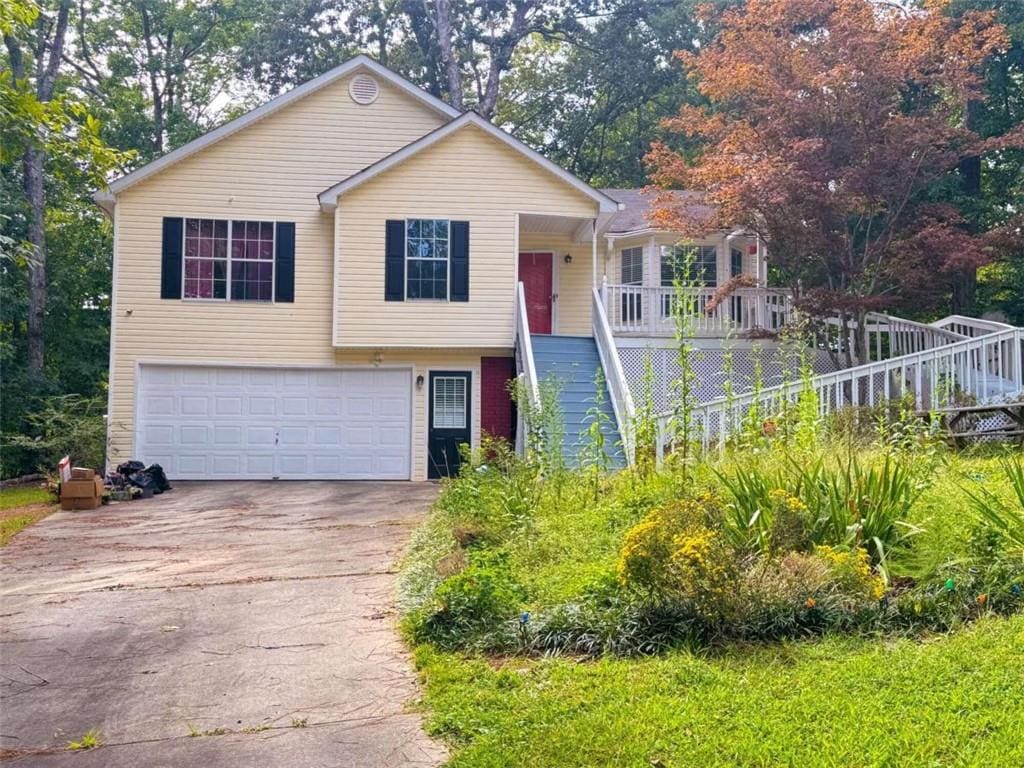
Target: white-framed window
633,266
230,260
426,258
703,263
449,402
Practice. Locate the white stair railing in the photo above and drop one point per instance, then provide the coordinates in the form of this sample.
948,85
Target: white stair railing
618,388
987,368
525,366
970,326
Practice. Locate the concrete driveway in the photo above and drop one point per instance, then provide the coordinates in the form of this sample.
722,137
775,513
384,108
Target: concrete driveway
220,624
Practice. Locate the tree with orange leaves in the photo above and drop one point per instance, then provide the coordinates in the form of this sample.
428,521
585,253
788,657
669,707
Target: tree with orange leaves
831,126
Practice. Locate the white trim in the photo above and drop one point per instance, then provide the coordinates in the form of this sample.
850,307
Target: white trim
556,289
192,363
111,362
359,62
329,197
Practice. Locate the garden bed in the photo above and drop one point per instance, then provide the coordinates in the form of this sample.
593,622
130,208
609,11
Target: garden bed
763,607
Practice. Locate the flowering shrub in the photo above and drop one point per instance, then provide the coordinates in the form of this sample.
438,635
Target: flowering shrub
677,553
851,573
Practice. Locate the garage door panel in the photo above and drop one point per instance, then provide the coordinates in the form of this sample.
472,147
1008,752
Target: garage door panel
259,423
262,405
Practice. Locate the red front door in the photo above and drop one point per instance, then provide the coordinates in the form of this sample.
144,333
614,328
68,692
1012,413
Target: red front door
535,270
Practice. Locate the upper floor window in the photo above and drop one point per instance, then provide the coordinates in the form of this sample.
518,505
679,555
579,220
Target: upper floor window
633,266
701,259
736,262
231,260
426,257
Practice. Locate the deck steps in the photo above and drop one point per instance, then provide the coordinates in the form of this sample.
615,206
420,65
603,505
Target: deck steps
574,362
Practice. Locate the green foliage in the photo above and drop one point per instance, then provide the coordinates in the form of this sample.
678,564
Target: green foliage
90,740
1003,518
477,600
65,425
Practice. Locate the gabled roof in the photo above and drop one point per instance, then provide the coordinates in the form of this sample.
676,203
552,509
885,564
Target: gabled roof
329,197
360,62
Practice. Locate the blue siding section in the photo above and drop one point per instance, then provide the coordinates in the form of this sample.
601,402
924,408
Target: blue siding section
574,361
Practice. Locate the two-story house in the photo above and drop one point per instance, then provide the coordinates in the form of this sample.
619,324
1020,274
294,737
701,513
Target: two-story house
329,286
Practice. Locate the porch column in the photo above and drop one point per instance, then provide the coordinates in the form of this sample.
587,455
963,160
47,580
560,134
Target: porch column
593,251
651,290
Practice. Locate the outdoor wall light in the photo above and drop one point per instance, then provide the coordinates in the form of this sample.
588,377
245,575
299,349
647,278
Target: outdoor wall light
568,258
419,381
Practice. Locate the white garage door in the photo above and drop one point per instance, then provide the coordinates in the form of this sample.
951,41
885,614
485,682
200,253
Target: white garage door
204,423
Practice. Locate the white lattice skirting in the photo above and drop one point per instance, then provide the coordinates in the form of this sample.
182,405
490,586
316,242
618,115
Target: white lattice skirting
713,370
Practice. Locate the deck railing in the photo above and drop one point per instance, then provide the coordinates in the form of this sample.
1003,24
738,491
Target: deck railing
970,326
618,388
985,368
641,310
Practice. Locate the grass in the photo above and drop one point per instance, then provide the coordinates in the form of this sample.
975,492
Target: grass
89,740
21,507
955,700
932,700
23,495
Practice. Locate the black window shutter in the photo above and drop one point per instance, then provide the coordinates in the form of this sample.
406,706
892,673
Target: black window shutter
460,260
394,260
170,259
284,262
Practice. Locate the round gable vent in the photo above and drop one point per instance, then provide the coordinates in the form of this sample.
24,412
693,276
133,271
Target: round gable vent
363,89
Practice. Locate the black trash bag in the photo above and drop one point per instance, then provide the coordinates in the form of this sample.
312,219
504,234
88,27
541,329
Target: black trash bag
129,468
156,472
143,482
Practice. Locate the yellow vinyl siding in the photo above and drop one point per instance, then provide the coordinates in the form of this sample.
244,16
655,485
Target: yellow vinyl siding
271,170
572,281
466,176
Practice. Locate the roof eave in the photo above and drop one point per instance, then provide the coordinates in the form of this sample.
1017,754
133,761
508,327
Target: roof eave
329,197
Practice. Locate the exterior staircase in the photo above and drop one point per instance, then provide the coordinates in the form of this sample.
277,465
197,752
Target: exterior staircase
574,362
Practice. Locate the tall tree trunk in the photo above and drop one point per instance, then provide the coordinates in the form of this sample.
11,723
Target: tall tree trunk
443,25
47,53
32,164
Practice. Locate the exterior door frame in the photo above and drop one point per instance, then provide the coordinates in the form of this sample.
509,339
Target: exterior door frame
467,428
555,279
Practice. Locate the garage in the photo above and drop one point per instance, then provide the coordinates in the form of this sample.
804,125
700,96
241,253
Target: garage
234,423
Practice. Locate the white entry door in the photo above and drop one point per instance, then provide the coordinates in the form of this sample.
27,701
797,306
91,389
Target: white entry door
213,423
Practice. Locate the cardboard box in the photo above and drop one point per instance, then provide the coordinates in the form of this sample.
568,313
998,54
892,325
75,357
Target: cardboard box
84,502
82,473
81,494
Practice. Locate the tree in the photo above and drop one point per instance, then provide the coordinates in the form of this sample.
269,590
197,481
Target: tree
832,127
34,62
459,50
595,104
158,70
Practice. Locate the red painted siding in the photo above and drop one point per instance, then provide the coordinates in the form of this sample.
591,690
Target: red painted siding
497,412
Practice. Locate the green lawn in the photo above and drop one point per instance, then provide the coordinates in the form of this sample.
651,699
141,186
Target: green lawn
956,700
938,700
20,507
